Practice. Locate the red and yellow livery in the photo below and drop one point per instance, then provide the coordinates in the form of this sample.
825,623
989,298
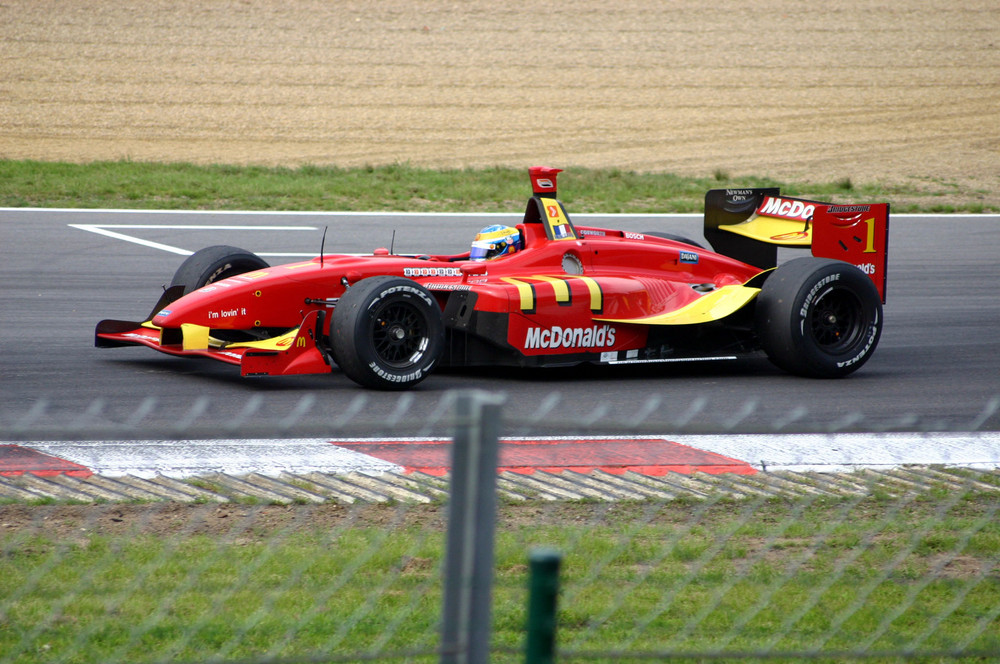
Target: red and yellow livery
573,294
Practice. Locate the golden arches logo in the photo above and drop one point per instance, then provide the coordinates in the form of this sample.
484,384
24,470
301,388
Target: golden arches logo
787,237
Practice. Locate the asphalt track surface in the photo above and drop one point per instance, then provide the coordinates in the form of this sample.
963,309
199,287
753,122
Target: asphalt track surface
937,366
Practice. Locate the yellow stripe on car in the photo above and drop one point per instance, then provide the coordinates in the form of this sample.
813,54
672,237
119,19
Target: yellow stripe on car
282,342
561,288
773,231
596,294
713,306
525,291
560,285
194,337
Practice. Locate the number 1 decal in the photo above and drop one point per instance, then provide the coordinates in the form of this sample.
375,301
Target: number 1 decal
870,243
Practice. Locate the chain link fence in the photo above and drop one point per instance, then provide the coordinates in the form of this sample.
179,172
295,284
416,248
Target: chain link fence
855,560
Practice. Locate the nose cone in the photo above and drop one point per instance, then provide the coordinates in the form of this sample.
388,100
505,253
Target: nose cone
265,298
220,305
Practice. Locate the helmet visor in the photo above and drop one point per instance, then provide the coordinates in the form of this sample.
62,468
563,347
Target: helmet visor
481,250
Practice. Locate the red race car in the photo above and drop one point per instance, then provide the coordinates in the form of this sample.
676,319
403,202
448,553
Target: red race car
545,292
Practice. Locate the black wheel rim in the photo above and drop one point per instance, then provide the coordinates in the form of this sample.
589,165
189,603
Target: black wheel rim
836,320
399,334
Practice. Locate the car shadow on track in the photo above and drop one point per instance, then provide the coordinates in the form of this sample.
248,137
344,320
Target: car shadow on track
172,369
744,367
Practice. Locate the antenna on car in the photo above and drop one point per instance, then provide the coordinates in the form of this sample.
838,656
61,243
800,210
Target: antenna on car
322,244
392,242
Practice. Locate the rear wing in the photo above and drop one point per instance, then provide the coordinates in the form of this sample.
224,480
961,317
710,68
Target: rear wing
751,224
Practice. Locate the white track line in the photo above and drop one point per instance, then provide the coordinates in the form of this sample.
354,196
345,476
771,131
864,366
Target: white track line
105,229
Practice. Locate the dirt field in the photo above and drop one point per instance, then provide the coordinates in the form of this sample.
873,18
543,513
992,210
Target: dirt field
905,92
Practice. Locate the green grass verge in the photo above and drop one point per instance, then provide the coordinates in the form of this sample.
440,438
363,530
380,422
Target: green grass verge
140,185
684,576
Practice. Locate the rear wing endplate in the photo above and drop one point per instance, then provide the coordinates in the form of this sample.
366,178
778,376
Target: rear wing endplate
856,234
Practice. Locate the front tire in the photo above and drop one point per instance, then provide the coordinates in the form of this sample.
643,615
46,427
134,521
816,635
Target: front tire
387,333
215,263
818,317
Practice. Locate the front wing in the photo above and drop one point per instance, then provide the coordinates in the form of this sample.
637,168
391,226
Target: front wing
295,352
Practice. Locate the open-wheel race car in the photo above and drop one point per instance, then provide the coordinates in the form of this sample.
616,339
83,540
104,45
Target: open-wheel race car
545,292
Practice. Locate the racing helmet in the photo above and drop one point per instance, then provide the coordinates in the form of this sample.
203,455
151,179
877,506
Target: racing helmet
494,241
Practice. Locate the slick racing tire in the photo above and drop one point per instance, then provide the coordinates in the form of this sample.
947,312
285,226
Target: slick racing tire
387,333
212,264
818,317
676,238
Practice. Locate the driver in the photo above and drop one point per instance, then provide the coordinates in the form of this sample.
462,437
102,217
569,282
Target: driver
495,241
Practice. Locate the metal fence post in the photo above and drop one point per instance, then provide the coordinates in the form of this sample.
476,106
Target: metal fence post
540,645
468,570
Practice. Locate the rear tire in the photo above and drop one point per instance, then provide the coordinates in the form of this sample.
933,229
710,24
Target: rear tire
215,263
677,238
818,317
387,333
